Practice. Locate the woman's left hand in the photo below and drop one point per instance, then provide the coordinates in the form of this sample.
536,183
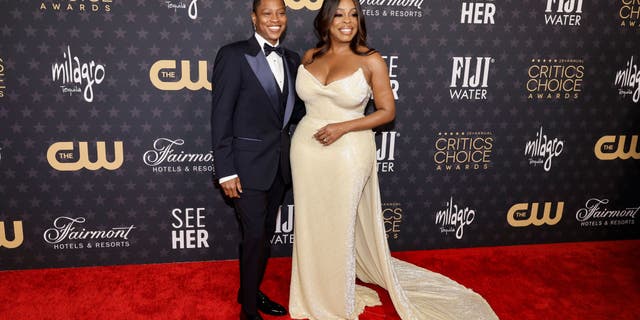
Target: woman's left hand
330,133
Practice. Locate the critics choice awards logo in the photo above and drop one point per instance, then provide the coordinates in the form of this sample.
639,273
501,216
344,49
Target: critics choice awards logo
615,147
74,75
470,78
63,156
595,214
563,12
164,158
283,233
526,214
192,8
76,5
458,151
13,228
165,75
555,79
189,229
3,87
478,12
541,150
628,80
391,8
453,218
392,216
70,233
629,13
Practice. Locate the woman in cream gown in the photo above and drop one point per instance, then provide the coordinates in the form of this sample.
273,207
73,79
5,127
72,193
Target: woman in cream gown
339,231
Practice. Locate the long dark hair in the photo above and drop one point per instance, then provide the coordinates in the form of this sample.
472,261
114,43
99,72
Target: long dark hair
323,21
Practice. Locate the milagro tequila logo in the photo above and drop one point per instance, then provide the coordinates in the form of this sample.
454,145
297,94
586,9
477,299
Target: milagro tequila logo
596,214
470,78
542,150
391,8
454,218
181,5
386,153
628,80
75,74
563,12
68,233
283,234
164,158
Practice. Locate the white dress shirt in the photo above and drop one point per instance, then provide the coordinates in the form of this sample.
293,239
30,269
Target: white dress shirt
277,68
274,60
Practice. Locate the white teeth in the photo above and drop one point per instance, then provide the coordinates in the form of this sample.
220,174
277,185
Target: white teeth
274,28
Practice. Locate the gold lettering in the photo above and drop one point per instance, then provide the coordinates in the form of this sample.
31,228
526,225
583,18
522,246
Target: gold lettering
18,237
606,149
300,4
185,80
83,161
517,215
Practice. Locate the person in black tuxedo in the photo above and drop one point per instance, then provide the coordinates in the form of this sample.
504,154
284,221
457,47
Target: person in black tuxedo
254,102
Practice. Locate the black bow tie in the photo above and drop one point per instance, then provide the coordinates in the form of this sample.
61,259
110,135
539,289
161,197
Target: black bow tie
268,49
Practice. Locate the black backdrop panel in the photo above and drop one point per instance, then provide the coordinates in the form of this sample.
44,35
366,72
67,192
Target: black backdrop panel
517,122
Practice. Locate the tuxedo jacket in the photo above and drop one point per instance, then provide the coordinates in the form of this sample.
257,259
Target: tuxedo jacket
250,114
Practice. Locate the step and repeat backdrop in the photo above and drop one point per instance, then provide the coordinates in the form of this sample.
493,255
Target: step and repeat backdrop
517,123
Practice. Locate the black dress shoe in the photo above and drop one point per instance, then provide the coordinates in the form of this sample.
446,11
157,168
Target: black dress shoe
244,316
269,307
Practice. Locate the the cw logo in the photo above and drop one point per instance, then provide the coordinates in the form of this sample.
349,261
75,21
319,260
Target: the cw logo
64,151
18,235
167,69
606,148
299,4
521,215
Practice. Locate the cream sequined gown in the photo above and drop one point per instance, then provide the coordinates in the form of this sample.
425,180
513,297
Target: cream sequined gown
339,230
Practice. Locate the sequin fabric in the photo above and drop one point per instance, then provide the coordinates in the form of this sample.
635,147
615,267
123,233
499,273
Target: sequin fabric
339,228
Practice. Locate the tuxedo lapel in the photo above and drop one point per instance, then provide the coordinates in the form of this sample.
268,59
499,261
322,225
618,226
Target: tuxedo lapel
290,98
261,69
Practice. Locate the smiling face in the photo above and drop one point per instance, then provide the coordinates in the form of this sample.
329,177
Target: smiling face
344,25
270,19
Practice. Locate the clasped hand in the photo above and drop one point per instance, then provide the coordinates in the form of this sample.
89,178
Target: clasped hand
330,133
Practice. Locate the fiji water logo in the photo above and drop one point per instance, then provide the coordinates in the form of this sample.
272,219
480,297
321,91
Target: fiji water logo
283,233
385,154
563,12
470,78
75,74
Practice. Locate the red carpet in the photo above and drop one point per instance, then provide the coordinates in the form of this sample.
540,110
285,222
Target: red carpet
591,280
